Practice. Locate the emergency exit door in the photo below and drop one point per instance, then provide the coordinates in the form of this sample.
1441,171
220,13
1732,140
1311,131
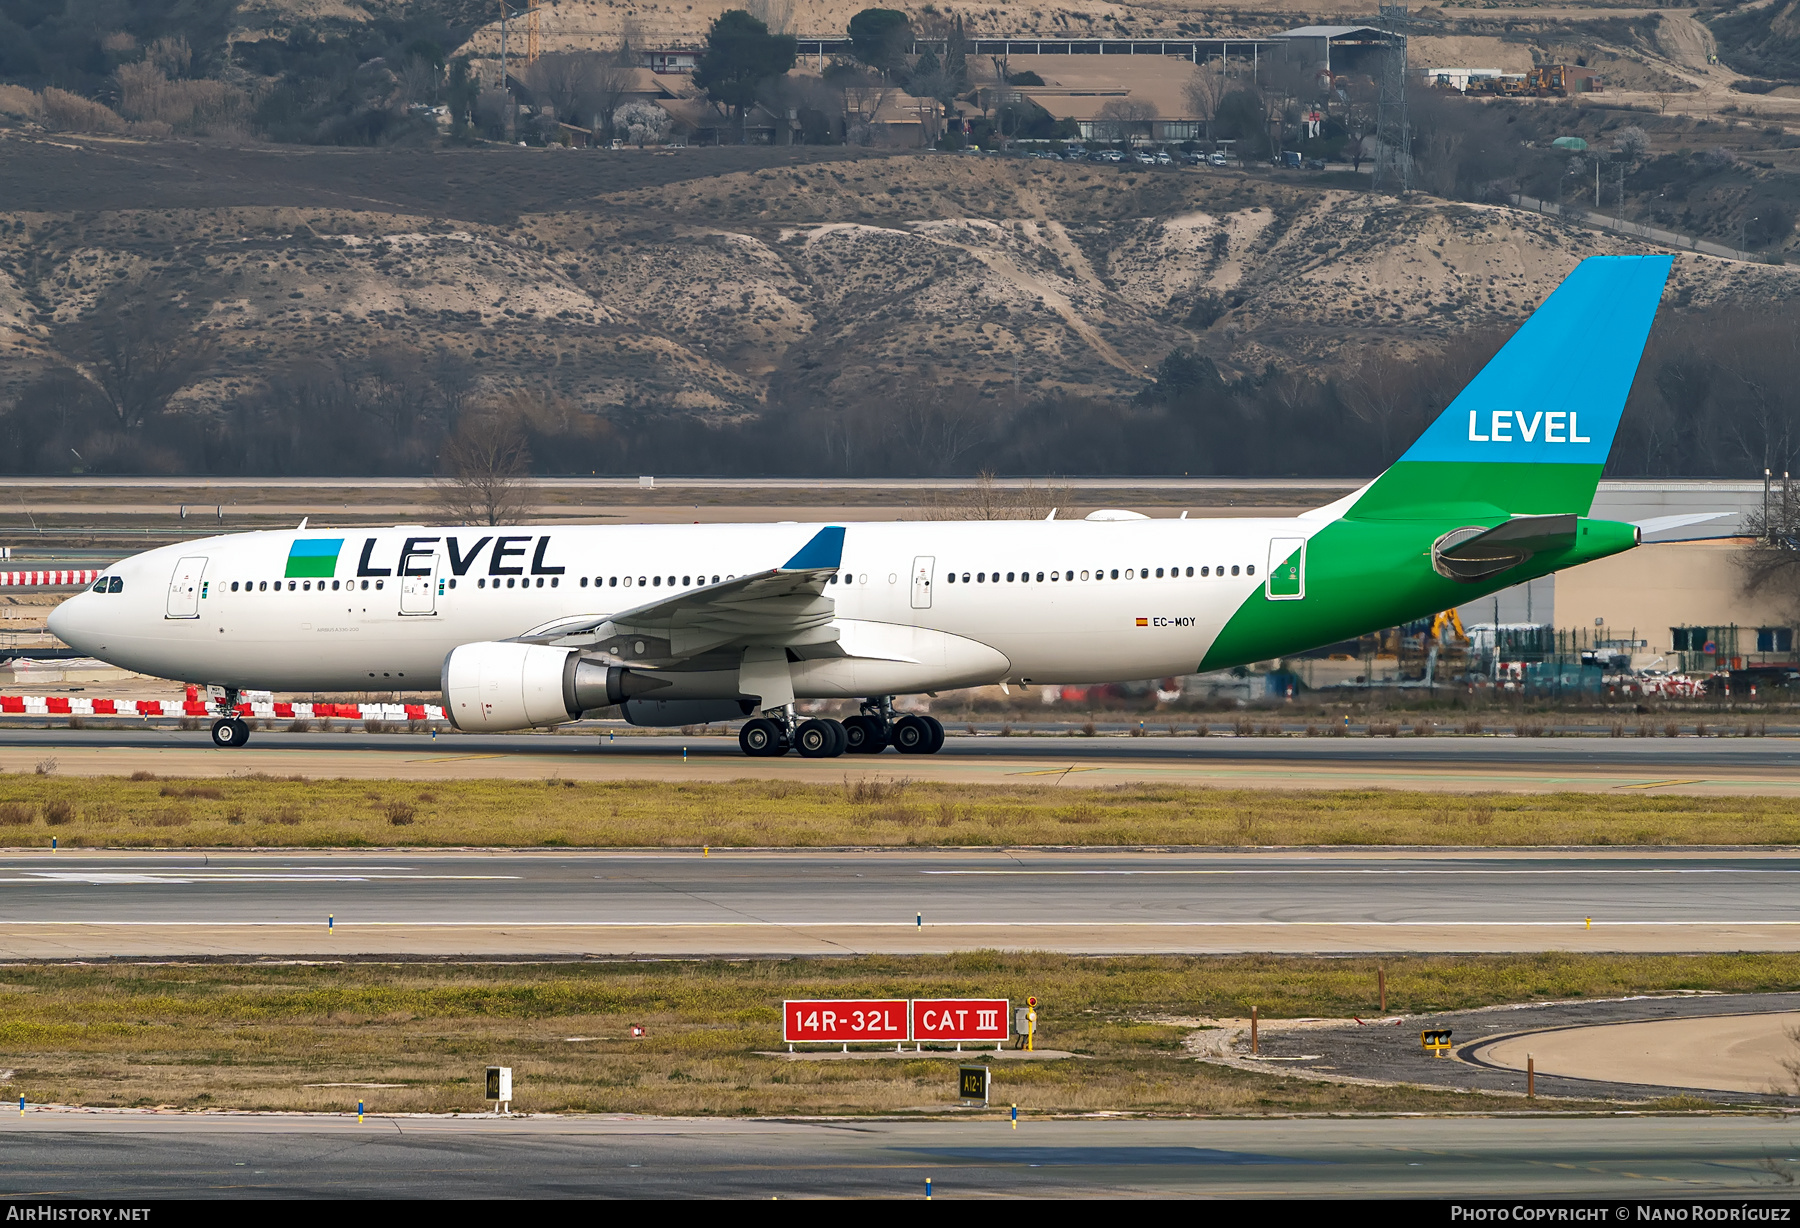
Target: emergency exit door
921,581
418,592
184,588
1287,569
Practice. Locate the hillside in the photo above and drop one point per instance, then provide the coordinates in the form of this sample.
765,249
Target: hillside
819,281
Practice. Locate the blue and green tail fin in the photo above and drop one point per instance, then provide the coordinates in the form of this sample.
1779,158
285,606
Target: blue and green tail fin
1530,434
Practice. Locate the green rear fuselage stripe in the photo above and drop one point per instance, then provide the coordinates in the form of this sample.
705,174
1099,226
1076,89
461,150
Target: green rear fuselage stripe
1362,575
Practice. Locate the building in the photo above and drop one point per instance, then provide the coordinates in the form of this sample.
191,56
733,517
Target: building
1096,91
1339,49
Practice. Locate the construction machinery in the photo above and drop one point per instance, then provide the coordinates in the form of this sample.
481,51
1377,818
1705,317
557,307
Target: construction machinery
1450,619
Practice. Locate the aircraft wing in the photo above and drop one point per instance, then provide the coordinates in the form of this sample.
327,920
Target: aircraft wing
783,607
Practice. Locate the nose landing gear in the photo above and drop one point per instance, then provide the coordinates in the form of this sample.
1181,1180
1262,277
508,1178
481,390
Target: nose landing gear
230,732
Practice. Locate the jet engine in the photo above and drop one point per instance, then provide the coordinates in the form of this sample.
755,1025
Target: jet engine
499,685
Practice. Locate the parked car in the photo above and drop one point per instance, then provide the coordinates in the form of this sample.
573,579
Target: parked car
1290,158
1315,164
1144,159
1161,158
1219,159
1194,159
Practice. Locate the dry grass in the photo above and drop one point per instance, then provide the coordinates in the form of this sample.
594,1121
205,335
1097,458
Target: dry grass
264,1037
259,811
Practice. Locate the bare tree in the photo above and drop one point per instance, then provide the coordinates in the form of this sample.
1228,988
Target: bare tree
988,500
486,473
612,79
1203,92
139,357
563,79
1125,118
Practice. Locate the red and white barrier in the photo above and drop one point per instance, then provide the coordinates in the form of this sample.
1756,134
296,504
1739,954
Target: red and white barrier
79,705
47,579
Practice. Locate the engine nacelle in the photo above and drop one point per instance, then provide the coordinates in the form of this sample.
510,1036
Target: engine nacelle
499,685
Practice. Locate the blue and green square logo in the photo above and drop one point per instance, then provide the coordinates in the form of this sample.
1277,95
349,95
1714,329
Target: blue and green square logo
313,557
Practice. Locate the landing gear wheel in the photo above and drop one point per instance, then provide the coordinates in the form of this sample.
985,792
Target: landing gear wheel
865,735
820,739
937,734
912,735
230,732
761,739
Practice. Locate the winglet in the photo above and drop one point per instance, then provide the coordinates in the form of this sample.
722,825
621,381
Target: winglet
826,549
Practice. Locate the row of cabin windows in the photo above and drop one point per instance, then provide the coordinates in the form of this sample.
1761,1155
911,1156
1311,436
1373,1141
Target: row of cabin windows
1130,573
263,586
981,577
641,581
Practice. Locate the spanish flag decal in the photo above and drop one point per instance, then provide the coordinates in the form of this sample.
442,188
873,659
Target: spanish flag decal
1143,622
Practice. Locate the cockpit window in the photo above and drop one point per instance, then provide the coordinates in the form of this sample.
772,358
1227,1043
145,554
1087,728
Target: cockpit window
100,585
115,585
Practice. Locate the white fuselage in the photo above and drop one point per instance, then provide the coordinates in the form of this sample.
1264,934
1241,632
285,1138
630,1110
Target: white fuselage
238,611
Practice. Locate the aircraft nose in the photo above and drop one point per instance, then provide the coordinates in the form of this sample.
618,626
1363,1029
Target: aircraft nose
66,621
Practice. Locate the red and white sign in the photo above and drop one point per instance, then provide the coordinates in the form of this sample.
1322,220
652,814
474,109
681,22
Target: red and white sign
856,1019
960,1019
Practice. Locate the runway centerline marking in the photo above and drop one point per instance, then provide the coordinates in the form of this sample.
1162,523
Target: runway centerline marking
1533,873
455,758
909,926
103,878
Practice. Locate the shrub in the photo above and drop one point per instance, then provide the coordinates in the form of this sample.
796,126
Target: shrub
66,112
399,813
20,103
59,811
15,814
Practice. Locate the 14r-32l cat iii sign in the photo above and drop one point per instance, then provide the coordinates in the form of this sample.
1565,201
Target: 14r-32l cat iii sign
971,1020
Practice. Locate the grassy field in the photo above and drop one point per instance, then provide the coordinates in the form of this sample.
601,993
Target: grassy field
257,811
415,1037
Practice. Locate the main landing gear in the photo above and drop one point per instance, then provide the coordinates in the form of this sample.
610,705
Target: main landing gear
870,732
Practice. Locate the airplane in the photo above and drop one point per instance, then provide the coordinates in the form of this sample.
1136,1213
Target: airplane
535,626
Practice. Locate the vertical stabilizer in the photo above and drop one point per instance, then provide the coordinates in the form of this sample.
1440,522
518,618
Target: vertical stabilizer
1531,433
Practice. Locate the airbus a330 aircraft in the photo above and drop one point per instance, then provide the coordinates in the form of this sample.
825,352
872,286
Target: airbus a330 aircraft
677,624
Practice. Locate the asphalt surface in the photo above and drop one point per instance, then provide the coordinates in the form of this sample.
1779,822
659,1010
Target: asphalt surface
1388,1050
91,903
124,1155
1690,765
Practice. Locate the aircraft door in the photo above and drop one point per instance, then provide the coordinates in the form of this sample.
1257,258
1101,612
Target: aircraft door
184,588
1287,569
921,581
418,593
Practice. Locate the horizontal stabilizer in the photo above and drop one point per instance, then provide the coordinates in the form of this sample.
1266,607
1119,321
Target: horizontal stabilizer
1667,524
1476,553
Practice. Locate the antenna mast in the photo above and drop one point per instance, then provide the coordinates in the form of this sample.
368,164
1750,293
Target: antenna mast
1393,131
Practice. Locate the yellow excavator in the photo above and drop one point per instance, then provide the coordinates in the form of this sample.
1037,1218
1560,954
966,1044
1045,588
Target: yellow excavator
1448,619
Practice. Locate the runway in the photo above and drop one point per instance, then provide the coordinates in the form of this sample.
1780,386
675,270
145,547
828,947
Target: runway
564,904
144,1156
1762,765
